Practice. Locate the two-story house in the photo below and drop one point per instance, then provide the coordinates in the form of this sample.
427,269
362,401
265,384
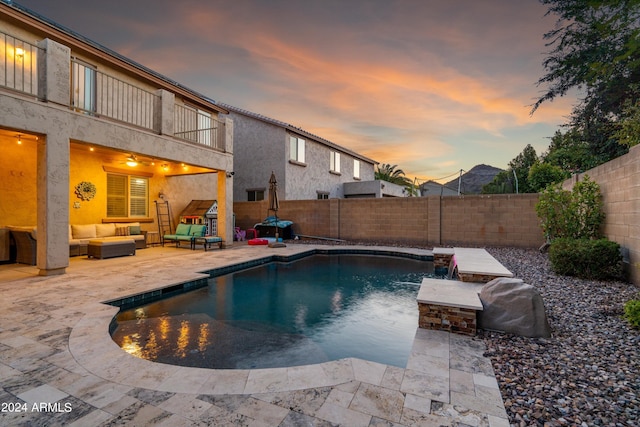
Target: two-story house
89,136
306,165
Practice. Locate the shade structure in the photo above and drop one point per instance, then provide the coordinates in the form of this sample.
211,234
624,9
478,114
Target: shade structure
274,205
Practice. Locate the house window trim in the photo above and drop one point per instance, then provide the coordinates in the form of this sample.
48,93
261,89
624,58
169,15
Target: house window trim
322,193
356,162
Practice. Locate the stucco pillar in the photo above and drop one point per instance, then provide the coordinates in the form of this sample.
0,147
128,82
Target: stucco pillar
164,112
225,208
228,137
53,204
54,72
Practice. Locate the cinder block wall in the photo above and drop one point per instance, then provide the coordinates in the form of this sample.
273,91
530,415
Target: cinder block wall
496,220
619,182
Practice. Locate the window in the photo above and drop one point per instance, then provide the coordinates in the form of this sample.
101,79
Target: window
255,195
323,195
127,196
296,149
84,86
356,169
335,162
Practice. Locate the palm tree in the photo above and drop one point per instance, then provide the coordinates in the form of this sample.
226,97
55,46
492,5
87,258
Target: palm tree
389,173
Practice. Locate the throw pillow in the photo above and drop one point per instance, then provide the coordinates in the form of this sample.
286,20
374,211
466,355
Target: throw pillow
122,231
134,229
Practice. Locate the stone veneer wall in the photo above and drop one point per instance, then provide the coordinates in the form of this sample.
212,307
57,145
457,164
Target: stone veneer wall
483,220
450,319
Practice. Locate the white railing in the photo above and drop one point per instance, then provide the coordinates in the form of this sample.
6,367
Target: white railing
19,64
100,94
198,126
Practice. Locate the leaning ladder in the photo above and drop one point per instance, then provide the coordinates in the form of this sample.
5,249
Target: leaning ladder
165,221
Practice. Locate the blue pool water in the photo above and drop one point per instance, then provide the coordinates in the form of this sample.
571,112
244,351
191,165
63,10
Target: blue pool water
316,309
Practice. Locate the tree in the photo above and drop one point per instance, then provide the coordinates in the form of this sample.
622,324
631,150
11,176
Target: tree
541,175
389,173
595,48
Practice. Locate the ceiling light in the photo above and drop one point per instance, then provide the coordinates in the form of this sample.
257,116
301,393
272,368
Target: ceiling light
132,161
19,52
165,167
19,140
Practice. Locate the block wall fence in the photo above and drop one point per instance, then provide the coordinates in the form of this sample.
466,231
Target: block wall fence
619,182
478,220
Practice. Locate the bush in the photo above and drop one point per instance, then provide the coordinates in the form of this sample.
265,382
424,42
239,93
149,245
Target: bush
577,214
632,312
587,259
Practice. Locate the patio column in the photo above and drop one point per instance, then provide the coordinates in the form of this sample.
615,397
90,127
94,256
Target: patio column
225,208
53,204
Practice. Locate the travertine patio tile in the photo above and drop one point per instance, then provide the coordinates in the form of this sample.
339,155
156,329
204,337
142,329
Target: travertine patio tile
378,401
263,412
267,380
93,418
42,394
185,405
432,365
488,405
366,371
343,416
340,398
425,385
418,403
225,381
461,382
392,378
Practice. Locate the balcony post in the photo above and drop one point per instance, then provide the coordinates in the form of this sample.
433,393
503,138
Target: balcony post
165,112
54,72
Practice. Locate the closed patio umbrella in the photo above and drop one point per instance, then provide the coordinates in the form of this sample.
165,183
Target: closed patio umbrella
274,205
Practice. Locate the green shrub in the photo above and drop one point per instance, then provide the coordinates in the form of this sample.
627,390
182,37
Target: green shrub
577,214
632,312
587,259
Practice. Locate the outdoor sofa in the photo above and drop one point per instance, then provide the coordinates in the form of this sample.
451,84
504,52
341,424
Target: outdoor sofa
191,233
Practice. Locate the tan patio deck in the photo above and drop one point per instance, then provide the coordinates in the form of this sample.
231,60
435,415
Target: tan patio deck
55,348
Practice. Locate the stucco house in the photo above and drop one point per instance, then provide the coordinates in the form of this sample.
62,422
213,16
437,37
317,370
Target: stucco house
89,136
306,165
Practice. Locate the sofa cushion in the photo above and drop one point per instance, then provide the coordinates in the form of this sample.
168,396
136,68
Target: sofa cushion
183,229
105,230
84,231
122,231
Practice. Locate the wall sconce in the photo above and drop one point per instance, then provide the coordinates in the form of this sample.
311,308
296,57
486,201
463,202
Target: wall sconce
161,195
19,52
230,174
165,167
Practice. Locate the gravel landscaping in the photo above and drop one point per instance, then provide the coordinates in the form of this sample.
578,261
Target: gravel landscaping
588,372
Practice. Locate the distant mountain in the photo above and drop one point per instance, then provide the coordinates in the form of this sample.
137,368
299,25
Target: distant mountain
473,180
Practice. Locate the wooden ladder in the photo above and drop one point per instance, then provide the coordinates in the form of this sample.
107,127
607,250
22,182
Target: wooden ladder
165,220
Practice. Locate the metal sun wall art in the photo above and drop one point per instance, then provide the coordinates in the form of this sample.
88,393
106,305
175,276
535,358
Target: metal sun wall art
85,190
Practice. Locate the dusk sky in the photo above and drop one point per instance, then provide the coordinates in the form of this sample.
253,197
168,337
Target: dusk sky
432,86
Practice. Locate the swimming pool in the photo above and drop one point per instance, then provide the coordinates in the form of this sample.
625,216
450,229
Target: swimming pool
316,309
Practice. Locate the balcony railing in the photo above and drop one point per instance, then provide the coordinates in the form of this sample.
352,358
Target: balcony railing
198,126
18,64
97,93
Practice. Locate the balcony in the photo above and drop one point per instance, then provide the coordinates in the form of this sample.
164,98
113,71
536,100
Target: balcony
99,94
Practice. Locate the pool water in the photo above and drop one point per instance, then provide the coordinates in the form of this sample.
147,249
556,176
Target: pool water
316,309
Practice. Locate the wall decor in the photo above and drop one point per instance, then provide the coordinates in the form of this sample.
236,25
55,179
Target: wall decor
85,190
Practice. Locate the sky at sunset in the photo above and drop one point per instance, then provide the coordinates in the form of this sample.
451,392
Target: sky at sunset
432,86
